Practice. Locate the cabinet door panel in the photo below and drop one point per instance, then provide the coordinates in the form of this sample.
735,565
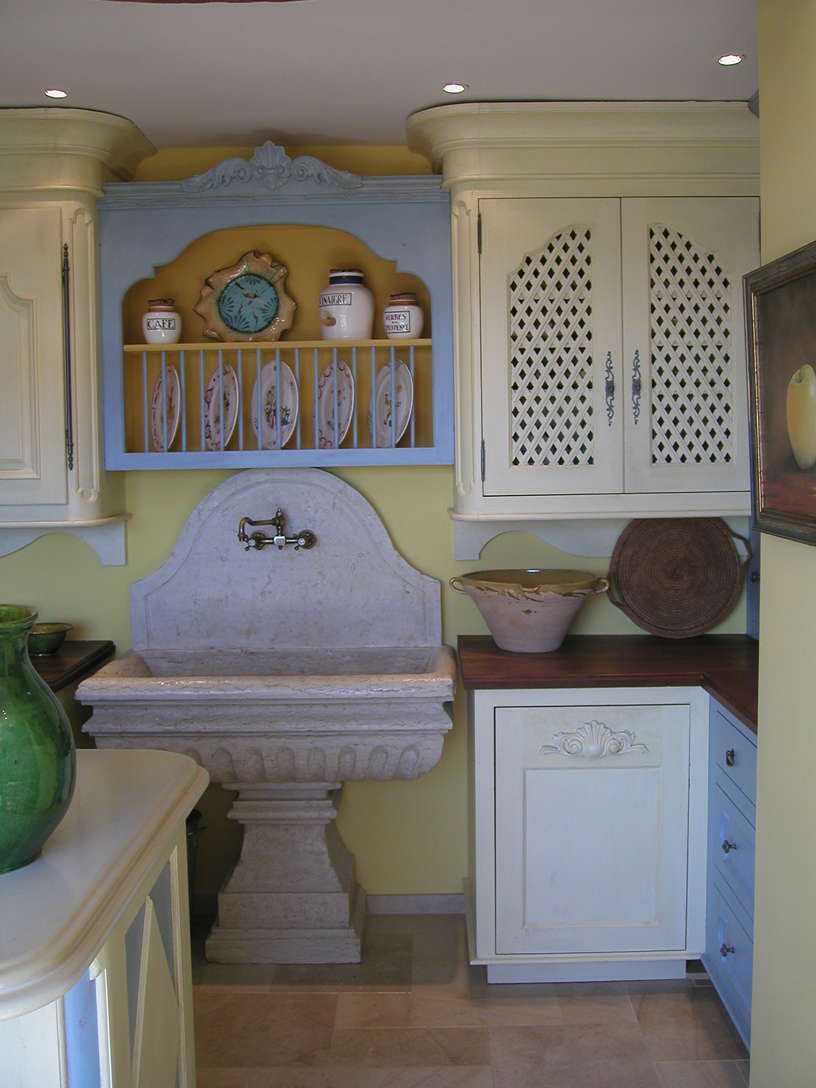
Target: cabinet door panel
551,337
684,339
591,828
32,428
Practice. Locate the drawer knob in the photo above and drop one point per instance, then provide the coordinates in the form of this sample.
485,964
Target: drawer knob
725,949
729,758
727,846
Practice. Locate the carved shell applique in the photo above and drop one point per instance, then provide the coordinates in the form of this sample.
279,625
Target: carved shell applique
593,740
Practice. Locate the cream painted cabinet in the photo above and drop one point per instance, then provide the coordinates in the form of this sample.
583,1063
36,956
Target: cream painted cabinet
95,975
598,253
52,166
588,833
621,324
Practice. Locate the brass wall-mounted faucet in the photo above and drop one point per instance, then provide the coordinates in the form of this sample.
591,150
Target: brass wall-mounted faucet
259,540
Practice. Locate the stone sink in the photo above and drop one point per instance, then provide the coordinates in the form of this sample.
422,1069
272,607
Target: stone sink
284,671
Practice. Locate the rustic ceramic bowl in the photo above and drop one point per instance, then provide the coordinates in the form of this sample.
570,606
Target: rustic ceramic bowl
46,638
529,611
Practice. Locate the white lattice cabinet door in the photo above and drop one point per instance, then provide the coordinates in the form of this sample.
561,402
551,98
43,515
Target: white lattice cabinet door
551,346
686,426
592,828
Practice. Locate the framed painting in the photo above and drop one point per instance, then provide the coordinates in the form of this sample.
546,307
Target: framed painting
780,314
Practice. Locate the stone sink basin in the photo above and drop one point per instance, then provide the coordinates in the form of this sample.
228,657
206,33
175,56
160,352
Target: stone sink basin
285,670
249,717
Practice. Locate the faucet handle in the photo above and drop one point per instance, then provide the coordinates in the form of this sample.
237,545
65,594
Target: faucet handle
305,539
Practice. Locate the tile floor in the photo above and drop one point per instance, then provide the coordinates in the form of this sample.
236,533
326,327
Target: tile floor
414,1013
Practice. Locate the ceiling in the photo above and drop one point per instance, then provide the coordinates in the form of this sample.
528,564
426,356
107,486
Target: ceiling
351,71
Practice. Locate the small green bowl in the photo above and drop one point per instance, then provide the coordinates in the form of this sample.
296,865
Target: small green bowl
46,638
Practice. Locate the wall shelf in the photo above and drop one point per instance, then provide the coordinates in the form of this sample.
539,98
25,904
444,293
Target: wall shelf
162,239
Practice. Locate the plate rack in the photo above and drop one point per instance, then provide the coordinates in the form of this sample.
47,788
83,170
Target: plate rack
200,364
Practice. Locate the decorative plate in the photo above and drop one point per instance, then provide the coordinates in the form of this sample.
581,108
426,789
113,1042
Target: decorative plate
325,405
212,413
246,301
269,405
404,384
169,402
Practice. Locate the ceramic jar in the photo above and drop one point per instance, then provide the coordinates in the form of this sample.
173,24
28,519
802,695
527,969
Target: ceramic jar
37,754
403,317
161,324
346,306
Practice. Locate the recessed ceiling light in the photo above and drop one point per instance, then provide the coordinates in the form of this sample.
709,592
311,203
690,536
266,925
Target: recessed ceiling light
455,88
730,58
55,92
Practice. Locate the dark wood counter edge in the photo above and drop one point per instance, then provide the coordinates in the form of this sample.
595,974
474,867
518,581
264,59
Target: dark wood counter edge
725,666
74,659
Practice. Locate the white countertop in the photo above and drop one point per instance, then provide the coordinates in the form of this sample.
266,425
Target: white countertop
57,912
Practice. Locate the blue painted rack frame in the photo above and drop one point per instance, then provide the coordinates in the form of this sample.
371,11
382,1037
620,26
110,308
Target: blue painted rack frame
145,225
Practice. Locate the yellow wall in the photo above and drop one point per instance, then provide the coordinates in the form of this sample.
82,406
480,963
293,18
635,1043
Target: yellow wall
784,999
409,837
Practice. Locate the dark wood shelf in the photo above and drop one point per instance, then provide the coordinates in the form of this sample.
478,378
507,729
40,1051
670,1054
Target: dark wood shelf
73,660
726,666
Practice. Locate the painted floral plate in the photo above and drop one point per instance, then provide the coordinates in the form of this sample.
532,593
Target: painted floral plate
269,405
404,387
325,405
165,402
212,415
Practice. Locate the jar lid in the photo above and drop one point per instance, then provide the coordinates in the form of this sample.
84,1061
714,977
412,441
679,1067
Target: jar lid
346,275
407,298
162,303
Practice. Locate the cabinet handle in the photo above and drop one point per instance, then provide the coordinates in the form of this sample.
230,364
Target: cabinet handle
66,349
609,390
636,387
729,757
727,846
725,949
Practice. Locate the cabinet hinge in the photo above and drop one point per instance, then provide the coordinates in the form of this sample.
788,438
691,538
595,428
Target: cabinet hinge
66,355
483,461
479,233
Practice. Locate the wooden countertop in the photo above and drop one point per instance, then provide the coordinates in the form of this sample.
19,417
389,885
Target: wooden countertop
726,666
74,659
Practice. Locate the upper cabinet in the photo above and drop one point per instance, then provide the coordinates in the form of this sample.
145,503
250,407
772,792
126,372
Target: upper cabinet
53,163
598,255
203,402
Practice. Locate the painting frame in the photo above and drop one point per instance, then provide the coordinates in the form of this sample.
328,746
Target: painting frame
780,320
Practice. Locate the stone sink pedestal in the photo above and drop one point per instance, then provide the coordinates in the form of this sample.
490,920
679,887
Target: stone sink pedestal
284,673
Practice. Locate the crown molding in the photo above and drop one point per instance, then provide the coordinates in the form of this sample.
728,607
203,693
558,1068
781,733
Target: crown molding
62,148
272,177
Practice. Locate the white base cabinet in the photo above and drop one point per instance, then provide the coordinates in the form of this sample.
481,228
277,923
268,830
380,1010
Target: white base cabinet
95,975
588,832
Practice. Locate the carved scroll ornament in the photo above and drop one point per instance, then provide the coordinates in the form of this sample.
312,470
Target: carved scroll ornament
271,167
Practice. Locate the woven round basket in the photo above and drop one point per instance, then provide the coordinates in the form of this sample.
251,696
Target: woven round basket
677,577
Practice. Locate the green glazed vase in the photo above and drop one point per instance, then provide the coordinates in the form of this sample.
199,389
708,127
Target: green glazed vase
37,753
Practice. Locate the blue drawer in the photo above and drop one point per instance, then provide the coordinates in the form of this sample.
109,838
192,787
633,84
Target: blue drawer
731,973
732,840
735,755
